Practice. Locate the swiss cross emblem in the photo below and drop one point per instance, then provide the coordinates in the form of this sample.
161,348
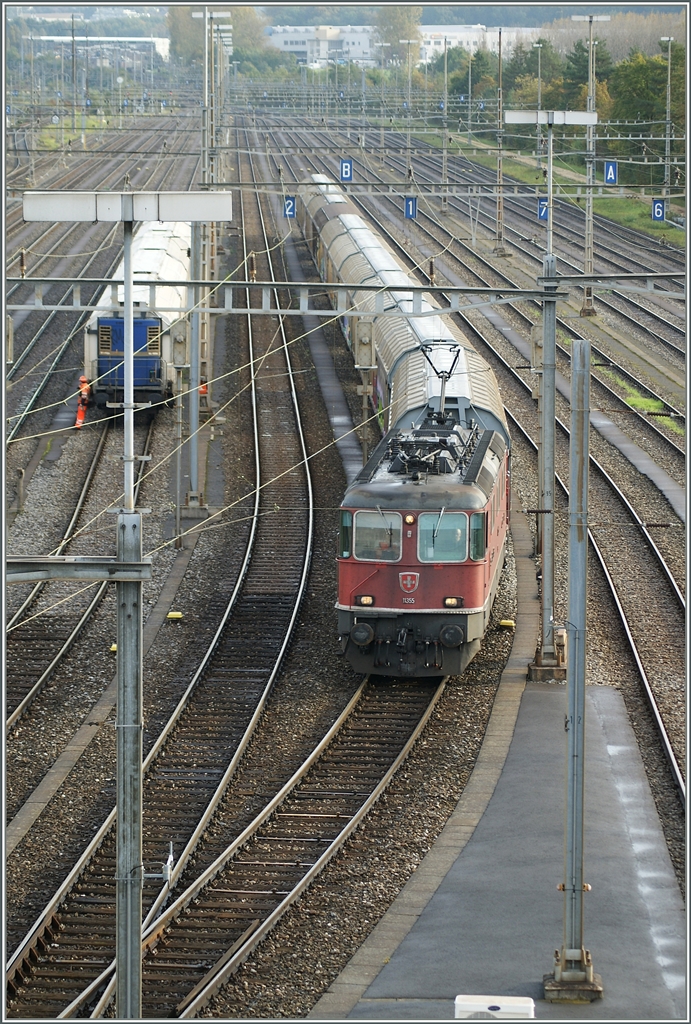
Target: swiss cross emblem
409,581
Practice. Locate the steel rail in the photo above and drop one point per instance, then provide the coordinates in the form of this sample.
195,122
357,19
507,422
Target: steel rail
468,326
38,587
49,913
29,407
608,305
108,974
644,389
652,702
216,978
45,676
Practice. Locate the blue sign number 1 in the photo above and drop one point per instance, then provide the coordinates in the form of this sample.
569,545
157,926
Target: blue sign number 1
411,207
289,206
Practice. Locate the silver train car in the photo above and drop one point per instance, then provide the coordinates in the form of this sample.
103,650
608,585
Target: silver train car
424,525
160,252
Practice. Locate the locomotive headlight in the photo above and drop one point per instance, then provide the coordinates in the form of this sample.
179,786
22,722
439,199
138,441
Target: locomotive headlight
410,520
453,602
364,599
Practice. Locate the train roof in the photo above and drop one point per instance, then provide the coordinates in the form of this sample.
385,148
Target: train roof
432,467
160,252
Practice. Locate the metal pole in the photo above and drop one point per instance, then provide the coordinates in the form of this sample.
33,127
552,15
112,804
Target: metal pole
549,182
573,957
499,246
410,114
129,702
549,324
178,459
74,82
194,367
588,309
538,47
128,369
445,138
470,95
668,124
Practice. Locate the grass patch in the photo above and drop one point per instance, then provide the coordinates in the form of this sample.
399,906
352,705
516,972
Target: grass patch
630,211
641,403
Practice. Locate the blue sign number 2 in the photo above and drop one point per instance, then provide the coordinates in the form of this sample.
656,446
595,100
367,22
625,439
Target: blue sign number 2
289,206
411,207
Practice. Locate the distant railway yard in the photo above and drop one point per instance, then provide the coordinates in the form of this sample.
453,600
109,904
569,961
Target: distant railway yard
296,794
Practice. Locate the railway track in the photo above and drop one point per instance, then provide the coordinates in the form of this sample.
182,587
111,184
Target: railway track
661,445
189,766
46,342
632,568
40,634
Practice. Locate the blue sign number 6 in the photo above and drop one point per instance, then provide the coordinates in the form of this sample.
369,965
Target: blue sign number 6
658,209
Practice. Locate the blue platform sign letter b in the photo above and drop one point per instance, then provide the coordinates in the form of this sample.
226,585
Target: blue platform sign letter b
347,170
610,172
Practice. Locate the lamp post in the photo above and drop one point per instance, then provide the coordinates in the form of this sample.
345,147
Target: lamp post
668,123
587,308
470,96
120,81
445,137
410,43
573,977
499,249
538,47
382,46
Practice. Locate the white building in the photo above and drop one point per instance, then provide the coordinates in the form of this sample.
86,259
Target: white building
313,44
318,44
472,38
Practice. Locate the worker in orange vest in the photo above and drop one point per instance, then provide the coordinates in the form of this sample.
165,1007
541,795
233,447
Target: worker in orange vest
83,401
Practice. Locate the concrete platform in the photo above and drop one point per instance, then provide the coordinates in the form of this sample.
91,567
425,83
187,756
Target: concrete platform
482,914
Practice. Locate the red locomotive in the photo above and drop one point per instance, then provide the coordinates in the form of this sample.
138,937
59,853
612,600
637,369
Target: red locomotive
424,525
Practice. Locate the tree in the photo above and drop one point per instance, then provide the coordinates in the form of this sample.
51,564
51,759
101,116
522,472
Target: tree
576,71
394,23
187,33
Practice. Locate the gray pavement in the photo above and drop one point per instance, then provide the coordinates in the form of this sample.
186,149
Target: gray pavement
496,917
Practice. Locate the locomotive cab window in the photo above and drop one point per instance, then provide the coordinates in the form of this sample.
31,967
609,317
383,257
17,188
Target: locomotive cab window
378,536
345,546
443,536
477,536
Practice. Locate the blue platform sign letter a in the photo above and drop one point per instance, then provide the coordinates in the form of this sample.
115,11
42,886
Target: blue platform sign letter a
610,172
346,170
